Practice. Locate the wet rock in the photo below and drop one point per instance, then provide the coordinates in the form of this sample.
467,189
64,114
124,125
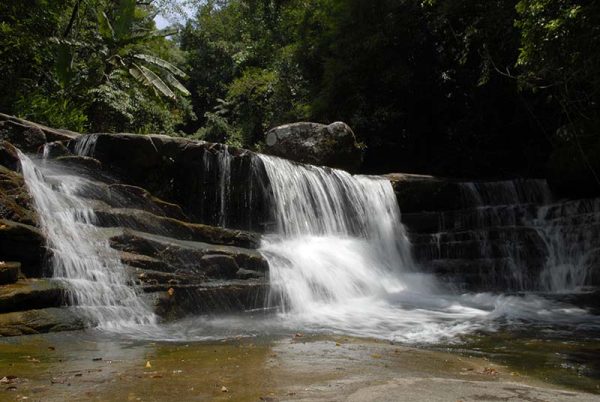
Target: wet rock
29,294
15,202
27,137
218,298
219,266
249,274
150,223
56,149
39,321
184,256
9,157
82,162
419,193
331,145
136,196
23,243
9,272
16,124
145,262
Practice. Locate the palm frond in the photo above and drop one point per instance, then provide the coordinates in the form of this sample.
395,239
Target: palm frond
161,63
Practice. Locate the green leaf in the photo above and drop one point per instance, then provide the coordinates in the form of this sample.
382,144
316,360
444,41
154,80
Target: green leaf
64,64
124,18
177,85
161,63
104,26
150,78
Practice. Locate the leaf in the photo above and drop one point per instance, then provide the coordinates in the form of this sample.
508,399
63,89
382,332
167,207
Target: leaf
161,63
138,75
177,85
157,82
124,18
104,26
64,64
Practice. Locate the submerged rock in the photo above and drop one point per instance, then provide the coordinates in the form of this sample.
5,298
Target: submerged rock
331,145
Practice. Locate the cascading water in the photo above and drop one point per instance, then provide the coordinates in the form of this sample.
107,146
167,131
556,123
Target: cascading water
80,256
563,234
340,261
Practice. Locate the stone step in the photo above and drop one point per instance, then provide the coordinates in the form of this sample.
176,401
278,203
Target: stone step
9,272
219,297
486,274
23,243
146,222
40,321
167,254
27,294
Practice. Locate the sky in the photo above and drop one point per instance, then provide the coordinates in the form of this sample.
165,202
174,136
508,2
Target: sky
164,20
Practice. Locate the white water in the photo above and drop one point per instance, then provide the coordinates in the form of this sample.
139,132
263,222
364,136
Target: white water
340,262
80,256
566,230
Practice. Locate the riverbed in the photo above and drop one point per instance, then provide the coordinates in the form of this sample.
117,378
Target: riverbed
88,365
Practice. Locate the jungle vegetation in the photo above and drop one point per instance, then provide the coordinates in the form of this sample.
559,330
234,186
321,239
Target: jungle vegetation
458,88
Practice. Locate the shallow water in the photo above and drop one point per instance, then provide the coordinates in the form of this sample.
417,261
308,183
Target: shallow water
92,365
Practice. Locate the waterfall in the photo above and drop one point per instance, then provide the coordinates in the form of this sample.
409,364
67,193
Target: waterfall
80,255
340,258
562,235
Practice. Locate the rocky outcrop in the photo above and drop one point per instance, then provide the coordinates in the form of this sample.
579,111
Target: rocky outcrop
29,294
212,183
198,259
29,136
332,145
15,202
9,272
146,222
182,265
22,243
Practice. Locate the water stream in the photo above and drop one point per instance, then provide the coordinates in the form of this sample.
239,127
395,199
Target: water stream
340,259
80,256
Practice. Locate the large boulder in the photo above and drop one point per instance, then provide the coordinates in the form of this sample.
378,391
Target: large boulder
331,145
39,321
15,201
29,136
23,243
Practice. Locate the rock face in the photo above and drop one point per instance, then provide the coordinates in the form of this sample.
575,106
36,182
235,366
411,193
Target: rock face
331,145
29,136
183,266
499,235
212,183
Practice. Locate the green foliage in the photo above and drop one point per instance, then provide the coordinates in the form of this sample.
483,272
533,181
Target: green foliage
55,113
105,56
447,87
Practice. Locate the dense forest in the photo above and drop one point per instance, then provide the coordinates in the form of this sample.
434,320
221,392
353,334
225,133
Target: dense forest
458,88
